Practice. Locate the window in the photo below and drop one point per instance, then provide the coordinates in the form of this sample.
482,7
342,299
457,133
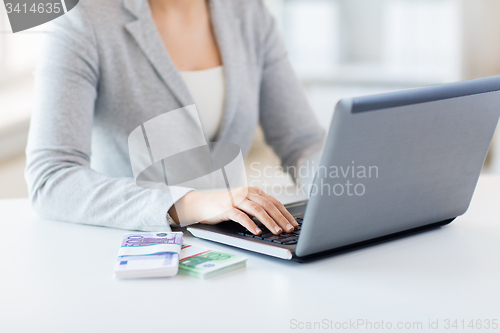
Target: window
18,54
381,41
17,51
344,48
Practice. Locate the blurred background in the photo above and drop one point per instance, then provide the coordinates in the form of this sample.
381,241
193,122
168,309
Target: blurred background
339,48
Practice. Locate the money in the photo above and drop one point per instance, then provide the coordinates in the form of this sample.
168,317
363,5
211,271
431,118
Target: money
202,263
149,255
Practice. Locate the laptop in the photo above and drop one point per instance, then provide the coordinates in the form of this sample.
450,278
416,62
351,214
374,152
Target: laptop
412,157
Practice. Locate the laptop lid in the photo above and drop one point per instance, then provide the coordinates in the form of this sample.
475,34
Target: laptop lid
398,161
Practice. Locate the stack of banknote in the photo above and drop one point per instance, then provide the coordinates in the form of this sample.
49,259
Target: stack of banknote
202,263
149,255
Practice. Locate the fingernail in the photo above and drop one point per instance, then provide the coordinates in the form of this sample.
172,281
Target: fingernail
277,229
289,227
257,230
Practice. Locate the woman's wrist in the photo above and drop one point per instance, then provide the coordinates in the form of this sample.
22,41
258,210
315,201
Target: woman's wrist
178,209
172,212
171,221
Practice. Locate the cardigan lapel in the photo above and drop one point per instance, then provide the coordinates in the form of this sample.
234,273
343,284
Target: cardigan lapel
145,33
226,29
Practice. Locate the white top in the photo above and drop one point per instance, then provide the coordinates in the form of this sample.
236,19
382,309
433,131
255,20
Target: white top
208,88
55,274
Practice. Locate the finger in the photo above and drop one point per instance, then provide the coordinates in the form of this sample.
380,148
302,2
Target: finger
278,205
272,211
256,210
281,208
243,219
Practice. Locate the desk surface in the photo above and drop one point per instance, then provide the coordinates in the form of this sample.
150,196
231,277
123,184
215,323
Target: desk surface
57,277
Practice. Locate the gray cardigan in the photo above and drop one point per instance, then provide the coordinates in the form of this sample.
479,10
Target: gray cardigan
104,70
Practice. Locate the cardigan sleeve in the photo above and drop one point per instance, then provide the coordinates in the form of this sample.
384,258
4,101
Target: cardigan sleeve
286,117
62,186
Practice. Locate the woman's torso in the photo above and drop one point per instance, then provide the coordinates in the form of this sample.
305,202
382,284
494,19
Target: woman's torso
138,81
207,87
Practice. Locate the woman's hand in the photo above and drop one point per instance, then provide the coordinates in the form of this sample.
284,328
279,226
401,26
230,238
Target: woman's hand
195,206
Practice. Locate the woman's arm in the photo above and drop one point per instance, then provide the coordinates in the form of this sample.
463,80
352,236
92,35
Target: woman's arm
287,120
289,127
61,184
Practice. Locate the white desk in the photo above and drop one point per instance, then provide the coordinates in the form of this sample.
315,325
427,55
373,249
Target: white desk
57,277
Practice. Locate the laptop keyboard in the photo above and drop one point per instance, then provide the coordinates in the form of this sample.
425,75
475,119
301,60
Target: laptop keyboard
283,238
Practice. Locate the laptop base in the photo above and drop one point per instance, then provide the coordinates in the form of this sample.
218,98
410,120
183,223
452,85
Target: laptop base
288,252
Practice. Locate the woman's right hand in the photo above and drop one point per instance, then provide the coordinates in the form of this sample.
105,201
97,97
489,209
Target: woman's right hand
196,206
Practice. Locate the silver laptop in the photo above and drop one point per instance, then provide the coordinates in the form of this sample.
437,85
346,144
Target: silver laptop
415,159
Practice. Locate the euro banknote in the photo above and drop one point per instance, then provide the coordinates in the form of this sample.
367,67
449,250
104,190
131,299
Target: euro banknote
149,255
202,263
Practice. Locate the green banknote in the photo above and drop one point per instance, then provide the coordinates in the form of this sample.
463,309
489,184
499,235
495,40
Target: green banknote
202,263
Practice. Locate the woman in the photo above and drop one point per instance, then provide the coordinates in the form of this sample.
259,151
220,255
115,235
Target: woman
109,66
